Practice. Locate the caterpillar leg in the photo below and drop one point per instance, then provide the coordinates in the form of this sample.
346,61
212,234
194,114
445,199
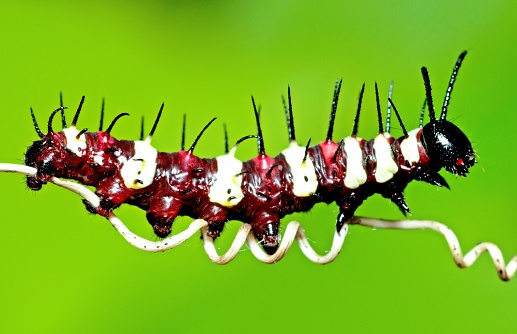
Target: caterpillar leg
112,192
215,215
347,209
398,199
266,226
161,214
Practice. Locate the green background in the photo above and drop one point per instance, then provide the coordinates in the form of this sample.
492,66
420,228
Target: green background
63,270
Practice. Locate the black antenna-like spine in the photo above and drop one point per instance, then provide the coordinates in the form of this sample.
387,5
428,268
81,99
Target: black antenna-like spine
112,124
245,138
35,123
183,131
428,94
289,116
356,120
63,118
260,140
451,85
422,113
388,112
142,126
226,148
306,151
83,131
76,116
102,116
156,121
191,149
379,114
333,109
50,130
334,157
399,118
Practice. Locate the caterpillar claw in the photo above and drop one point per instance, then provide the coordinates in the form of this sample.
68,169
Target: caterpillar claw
342,218
215,228
34,184
162,231
89,207
398,199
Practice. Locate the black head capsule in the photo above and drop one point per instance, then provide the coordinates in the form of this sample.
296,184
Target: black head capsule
445,144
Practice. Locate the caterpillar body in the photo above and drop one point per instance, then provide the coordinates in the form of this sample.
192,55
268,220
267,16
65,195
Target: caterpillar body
259,191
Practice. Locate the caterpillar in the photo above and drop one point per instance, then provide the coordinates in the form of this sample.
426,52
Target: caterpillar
259,191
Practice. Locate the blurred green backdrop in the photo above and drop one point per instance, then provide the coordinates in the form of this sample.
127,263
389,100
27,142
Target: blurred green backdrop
63,270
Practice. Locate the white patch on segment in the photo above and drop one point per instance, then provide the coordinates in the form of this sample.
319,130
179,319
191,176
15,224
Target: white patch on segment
409,147
98,159
386,166
226,189
120,158
72,143
305,181
355,173
138,172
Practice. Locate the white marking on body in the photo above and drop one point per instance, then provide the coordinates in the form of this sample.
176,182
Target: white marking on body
98,158
120,157
409,147
355,172
138,172
386,167
226,189
72,143
305,181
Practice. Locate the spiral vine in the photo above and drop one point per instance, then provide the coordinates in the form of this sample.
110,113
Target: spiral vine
293,231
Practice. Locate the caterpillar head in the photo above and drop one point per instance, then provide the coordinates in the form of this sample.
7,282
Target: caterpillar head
448,146
445,144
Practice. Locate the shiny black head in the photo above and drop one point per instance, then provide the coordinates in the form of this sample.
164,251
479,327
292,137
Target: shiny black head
445,144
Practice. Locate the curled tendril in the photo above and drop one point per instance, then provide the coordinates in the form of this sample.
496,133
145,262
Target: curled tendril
293,231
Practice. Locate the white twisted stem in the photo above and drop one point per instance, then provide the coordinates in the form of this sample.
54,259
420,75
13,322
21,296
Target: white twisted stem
293,231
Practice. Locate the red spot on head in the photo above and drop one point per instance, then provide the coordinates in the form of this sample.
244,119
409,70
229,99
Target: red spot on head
459,162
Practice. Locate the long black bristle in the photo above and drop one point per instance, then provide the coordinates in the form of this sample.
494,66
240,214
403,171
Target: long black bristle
288,109
102,116
428,94
379,114
51,118
356,120
183,131
260,140
35,123
112,124
388,112
76,116
157,120
191,149
306,150
226,148
333,109
399,118
63,118
142,125
451,85
422,113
